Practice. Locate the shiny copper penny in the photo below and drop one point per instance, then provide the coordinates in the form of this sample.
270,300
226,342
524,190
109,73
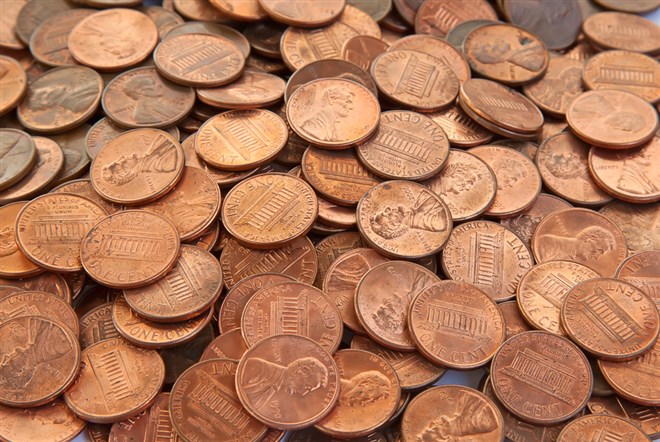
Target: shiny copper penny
13,84
563,162
451,411
338,216
629,175
610,319
8,36
200,60
461,130
50,228
117,380
580,235
54,419
206,392
249,10
229,345
96,325
209,27
518,180
40,360
616,30
541,378
14,263
130,249
84,188
466,184
542,291
301,47
360,21
559,86
330,248
122,175
642,270
633,7
49,42
98,42
612,119
296,259
104,130
48,282
439,17
362,50
270,210
61,99
199,10
514,322
303,14
603,426
415,79
404,219
291,370
33,303
640,223
252,90
643,417
151,424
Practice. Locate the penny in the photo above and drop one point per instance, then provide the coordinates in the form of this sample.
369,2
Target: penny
117,380
269,210
249,10
76,282
49,42
130,249
601,425
265,64
518,180
13,84
376,9
580,235
49,229
104,130
330,248
75,155
300,47
18,154
461,130
264,38
641,270
209,27
303,14
199,10
514,322
628,175
542,291
440,17
296,259
560,85
360,21
61,99
526,148
40,360
84,188
456,35
28,424
556,24
48,282
33,14
200,60
229,345
551,126
563,162
634,7
616,30
34,303
640,224
643,417
610,319
622,70
96,325
165,20
451,411
337,216
8,36
265,377
466,184
151,423
405,11
209,238
252,90
362,50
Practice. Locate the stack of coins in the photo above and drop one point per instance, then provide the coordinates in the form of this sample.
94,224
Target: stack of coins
269,220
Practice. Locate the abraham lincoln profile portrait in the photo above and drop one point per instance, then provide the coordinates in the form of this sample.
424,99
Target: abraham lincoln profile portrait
393,221
160,158
53,100
364,388
588,244
328,108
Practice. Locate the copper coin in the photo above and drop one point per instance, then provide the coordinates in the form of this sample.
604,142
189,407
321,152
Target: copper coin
451,411
96,325
360,21
330,248
269,210
199,10
33,303
333,113
200,60
362,50
33,14
629,175
642,270
563,162
40,360
206,392
24,425
643,417
240,10
466,184
49,229
291,370
229,345
234,302
407,145
514,322
265,64
151,424
264,38
296,259
461,130
241,139
98,42
301,47
8,36
542,291
583,49
558,88
556,24
122,175
192,206
634,7
61,99
580,235
610,319
252,90
525,147
13,84
616,30
117,380
612,119
640,224
304,14
439,17
602,426
405,11
130,249
456,35
49,42
338,216
84,188
76,282
76,160
48,282
165,20
209,27
376,9
14,263
369,395
415,79
104,130
551,126
518,180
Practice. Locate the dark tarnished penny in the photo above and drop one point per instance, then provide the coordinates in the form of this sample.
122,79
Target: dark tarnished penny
642,270
560,85
48,282
178,359
382,301
142,98
292,308
456,35
13,84
49,42
252,90
487,255
542,378
191,287
14,264
229,345
616,30
456,325
296,259
209,27
557,24
76,161
330,248
461,130
369,395
49,229
362,50
303,14
439,17
407,145
376,9
61,99
602,426
204,404
55,420
466,184
123,175
96,325
301,47
542,291
117,380
451,412
33,303
288,382
610,319
34,13
84,188
640,224
514,322
264,38
404,219
130,249
582,236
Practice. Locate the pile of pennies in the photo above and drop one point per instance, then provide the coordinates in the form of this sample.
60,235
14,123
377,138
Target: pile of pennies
270,220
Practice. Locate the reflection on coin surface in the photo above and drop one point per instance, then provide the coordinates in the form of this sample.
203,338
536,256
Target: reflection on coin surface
601,425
